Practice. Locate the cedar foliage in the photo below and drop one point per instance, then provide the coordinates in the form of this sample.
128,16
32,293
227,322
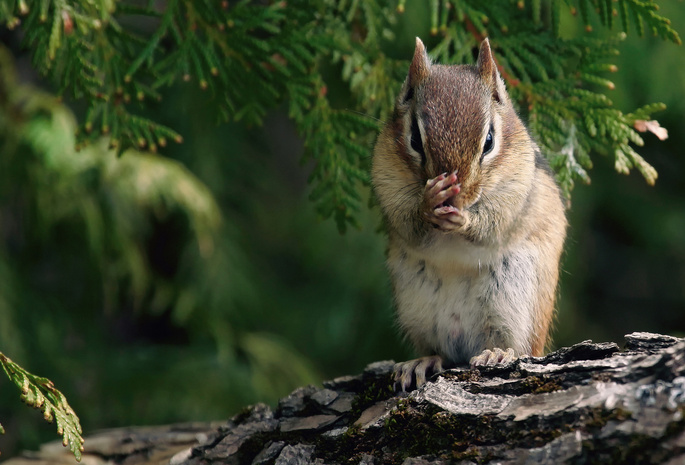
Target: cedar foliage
41,394
118,56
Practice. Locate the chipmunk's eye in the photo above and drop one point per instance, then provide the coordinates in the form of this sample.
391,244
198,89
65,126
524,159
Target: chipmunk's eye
487,146
416,141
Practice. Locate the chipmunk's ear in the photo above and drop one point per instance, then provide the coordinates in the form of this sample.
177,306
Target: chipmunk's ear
418,71
487,69
420,65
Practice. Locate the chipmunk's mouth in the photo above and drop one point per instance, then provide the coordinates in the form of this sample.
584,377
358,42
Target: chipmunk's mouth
451,204
447,207
460,202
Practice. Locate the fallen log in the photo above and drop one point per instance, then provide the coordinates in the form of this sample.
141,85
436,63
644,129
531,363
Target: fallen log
588,403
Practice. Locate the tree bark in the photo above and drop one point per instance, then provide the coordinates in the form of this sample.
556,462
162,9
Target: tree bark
589,403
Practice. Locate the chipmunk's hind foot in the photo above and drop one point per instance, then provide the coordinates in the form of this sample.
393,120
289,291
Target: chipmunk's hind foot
414,373
493,357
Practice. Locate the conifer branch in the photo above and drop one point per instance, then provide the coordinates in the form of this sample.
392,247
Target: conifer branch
40,393
251,56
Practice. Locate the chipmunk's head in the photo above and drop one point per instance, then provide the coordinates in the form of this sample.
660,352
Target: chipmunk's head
455,118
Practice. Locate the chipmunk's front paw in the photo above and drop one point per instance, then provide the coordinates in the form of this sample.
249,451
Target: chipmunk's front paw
437,206
493,357
413,373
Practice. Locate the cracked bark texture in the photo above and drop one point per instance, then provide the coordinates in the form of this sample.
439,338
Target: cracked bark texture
589,403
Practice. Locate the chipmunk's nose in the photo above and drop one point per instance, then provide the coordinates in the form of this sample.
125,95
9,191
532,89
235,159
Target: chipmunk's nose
450,161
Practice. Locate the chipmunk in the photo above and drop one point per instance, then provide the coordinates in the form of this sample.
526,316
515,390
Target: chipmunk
475,219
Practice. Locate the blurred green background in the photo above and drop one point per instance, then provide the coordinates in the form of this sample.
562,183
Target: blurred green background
280,298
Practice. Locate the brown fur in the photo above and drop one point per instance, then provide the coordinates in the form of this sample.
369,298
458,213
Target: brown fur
508,208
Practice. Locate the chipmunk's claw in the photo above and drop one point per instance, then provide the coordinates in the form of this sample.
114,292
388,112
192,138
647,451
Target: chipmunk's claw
414,373
493,357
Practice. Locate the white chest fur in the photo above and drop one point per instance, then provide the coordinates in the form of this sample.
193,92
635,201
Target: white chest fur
457,308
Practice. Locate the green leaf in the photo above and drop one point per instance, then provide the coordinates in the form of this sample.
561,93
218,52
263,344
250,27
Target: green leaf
41,394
